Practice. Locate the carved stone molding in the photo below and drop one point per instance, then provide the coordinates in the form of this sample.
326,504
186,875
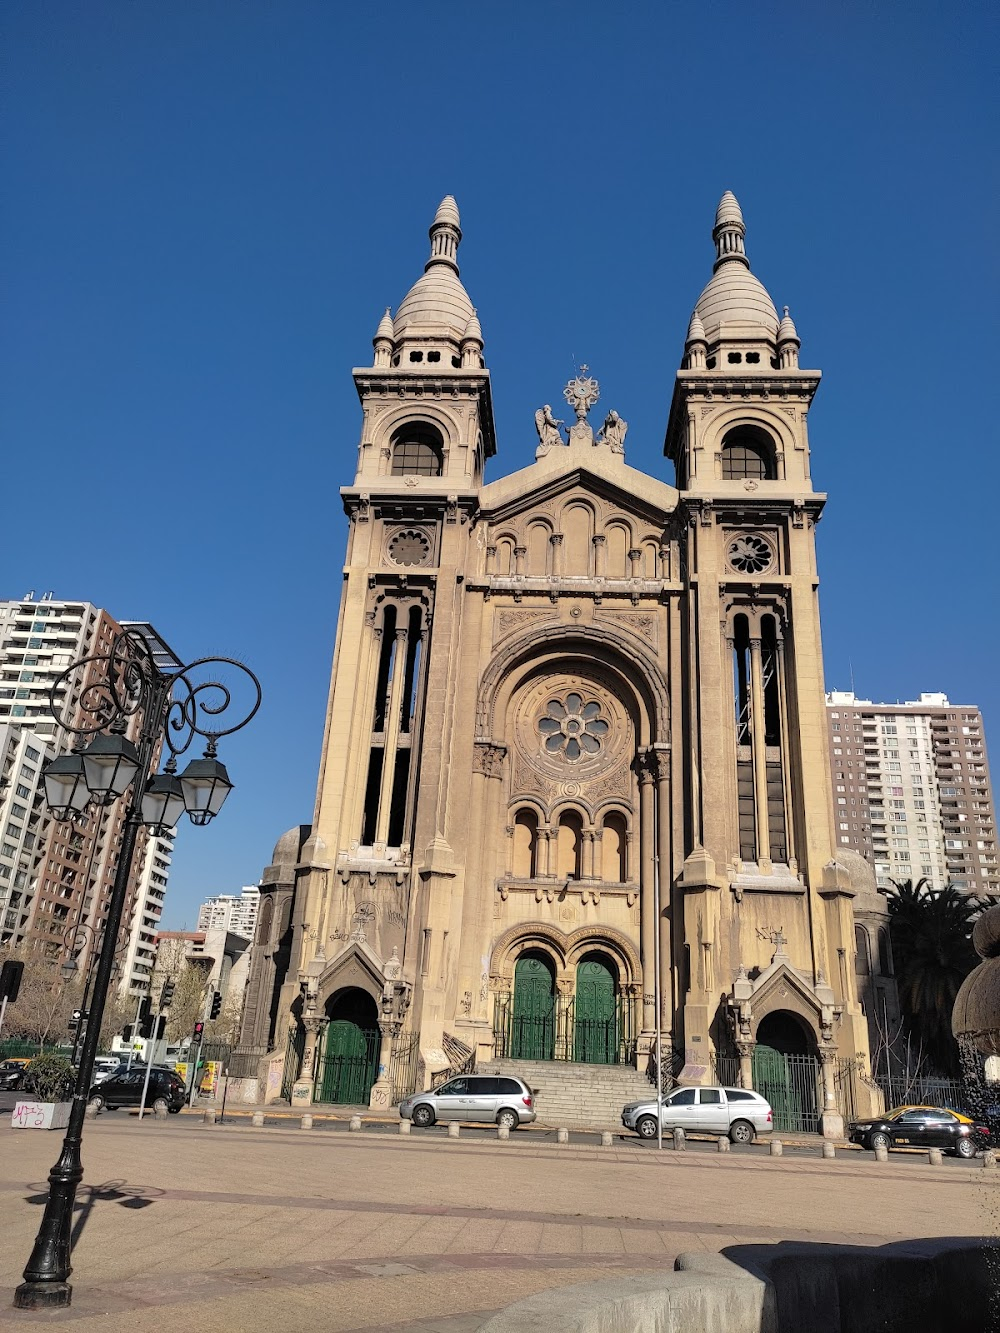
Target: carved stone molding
487,758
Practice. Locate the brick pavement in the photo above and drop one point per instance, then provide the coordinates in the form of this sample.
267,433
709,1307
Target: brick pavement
233,1229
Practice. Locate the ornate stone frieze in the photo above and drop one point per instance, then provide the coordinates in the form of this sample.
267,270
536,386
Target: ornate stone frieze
488,757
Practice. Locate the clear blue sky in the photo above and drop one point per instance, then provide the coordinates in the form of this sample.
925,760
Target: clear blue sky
206,206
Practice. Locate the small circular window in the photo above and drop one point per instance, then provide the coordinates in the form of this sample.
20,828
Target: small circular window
410,547
750,554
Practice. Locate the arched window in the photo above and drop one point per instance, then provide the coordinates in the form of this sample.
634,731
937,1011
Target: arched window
614,863
525,844
748,452
569,845
884,952
417,451
862,958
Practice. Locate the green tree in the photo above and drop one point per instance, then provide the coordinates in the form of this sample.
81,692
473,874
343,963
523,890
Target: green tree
931,932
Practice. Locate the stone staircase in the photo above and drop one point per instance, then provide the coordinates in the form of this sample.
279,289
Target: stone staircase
573,1095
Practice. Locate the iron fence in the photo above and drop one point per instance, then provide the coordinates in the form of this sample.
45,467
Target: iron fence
293,1061
560,1035
403,1056
904,1091
246,1062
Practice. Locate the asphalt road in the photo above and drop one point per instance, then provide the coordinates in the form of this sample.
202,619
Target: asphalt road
187,1121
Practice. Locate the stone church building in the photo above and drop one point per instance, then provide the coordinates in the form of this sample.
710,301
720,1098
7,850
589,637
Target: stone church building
574,776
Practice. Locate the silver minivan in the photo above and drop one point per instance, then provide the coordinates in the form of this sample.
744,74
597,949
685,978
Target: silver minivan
737,1112
495,1099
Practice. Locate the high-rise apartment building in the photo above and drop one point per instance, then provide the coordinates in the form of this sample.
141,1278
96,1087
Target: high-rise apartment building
56,878
911,790
233,912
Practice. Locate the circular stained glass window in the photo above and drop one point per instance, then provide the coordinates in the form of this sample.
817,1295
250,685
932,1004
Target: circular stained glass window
572,727
750,554
410,547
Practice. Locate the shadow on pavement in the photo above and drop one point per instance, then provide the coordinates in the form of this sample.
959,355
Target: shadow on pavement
112,1191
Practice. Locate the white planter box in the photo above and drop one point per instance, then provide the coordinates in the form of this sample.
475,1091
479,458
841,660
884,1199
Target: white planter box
40,1115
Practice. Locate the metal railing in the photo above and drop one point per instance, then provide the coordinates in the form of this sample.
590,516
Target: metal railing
560,1035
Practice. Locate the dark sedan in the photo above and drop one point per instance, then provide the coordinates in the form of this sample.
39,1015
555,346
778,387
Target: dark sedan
921,1127
11,1073
125,1089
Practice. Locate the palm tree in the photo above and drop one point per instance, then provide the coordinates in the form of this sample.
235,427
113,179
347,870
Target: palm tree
931,931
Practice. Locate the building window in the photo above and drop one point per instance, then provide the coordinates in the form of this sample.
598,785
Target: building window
417,451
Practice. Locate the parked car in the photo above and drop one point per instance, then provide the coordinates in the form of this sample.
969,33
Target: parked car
105,1066
11,1073
497,1099
738,1112
921,1127
125,1089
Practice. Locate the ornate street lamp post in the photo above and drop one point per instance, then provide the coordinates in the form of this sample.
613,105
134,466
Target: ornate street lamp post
137,678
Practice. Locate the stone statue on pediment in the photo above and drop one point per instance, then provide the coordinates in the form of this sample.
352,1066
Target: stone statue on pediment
613,433
549,433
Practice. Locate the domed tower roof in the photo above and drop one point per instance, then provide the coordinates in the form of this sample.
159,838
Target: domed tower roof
734,295
786,329
437,305
288,848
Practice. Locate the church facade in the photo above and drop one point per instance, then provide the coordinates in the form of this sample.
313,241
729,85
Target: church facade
574,790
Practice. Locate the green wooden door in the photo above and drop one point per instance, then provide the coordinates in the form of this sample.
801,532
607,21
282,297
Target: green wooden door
771,1079
595,1026
347,1068
533,1021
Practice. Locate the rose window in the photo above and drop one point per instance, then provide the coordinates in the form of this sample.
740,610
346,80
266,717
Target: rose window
410,547
572,728
750,554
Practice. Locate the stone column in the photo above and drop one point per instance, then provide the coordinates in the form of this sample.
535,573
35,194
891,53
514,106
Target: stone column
491,559
600,556
647,907
745,1051
557,554
544,858
519,553
635,560
831,1121
587,854
380,1097
302,1089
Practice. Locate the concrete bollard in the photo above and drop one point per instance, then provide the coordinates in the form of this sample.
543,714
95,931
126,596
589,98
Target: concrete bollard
723,1143
306,1122
160,1113
881,1154
92,1111
503,1133
404,1127
454,1129
607,1139
990,1159
257,1120
829,1151
209,1116
562,1136
679,1141
776,1148
355,1124
934,1156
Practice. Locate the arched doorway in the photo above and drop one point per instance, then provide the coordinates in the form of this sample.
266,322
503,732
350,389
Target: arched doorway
595,1019
348,1065
533,1023
786,1071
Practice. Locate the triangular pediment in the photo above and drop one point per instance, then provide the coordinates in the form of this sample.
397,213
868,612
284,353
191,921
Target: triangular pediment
590,469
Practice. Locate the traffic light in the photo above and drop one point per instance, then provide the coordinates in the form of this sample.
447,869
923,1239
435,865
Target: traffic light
216,1004
76,1018
199,1028
161,1027
127,1034
10,979
145,1017
167,994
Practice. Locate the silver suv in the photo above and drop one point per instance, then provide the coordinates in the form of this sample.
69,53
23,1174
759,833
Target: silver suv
494,1099
738,1112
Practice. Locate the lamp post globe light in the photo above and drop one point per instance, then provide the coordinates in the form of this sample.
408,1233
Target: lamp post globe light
137,683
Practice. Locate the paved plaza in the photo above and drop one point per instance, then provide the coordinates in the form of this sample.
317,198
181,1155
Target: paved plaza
229,1228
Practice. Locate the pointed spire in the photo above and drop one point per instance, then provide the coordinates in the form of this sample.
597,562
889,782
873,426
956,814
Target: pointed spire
696,330
788,343
729,231
384,329
472,343
445,234
382,341
786,330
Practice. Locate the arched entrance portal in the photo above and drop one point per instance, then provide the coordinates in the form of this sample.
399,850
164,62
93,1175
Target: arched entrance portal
533,1025
595,1025
786,1071
348,1066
